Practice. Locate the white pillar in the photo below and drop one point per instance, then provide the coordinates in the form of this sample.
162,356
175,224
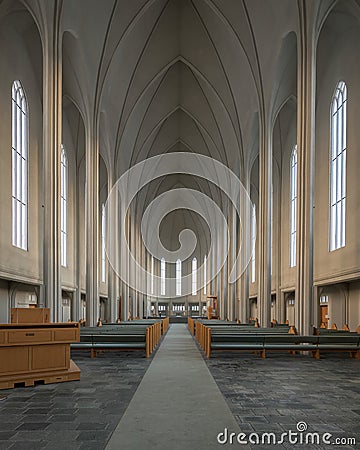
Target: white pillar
52,114
232,262
112,237
242,295
264,230
305,169
92,224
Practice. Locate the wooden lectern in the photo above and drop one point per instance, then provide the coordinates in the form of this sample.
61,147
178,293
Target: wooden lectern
36,351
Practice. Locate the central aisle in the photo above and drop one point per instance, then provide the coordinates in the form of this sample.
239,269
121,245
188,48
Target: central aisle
177,404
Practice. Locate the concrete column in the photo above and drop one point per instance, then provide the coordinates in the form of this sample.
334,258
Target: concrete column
133,267
244,238
305,169
281,307
264,226
113,294
277,247
316,307
225,273
213,285
142,257
52,136
77,294
219,278
112,237
125,289
232,262
92,224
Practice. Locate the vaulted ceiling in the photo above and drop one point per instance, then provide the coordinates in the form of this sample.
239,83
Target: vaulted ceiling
159,76
174,75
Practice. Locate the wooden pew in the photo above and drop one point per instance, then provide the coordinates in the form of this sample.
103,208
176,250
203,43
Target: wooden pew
120,337
339,342
229,329
266,341
191,325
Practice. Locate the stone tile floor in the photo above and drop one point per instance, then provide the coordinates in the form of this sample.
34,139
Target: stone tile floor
275,394
79,415
270,395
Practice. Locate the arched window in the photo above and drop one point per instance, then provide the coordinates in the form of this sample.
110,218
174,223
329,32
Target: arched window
19,167
103,244
162,277
178,277
271,228
253,242
152,276
194,279
293,202
338,167
63,206
205,274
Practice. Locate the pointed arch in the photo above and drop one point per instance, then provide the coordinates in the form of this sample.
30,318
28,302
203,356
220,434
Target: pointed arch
20,138
194,276
338,167
293,205
64,205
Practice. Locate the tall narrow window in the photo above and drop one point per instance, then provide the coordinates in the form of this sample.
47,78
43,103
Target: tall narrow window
293,204
271,228
178,277
19,167
103,244
162,277
205,274
253,242
152,276
194,279
338,167
63,206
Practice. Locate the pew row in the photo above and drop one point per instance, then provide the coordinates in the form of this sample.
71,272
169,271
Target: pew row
235,329
262,342
165,323
120,337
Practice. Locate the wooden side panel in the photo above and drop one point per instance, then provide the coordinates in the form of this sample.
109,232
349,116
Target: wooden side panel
14,360
49,357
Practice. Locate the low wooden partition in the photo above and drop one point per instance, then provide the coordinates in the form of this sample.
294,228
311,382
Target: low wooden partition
38,352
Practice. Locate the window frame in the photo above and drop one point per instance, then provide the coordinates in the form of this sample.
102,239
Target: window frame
178,271
205,273
337,168
64,190
20,163
103,243
162,276
253,245
194,276
293,207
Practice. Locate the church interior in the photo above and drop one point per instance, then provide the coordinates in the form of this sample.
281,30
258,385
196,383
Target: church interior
179,257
